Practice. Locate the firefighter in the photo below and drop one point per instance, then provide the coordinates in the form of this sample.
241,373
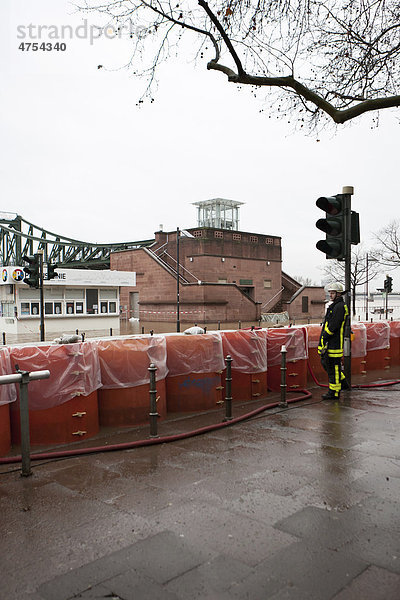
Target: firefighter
330,346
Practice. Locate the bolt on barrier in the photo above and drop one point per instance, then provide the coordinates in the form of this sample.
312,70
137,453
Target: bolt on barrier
153,401
283,401
228,389
24,378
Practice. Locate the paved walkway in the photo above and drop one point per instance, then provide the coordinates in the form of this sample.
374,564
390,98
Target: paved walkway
299,504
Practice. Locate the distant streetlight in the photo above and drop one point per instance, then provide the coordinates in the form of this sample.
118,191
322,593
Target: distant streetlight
368,260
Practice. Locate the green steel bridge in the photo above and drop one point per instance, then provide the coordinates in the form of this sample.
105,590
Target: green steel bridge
19,237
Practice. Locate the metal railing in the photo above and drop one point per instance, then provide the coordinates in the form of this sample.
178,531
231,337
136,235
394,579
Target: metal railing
279,292
24,378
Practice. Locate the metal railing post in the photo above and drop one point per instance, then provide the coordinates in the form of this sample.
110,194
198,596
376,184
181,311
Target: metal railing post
23,378
153,401
24,423
283,403
228,389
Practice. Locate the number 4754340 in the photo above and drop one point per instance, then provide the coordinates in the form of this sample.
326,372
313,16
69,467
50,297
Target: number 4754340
44,46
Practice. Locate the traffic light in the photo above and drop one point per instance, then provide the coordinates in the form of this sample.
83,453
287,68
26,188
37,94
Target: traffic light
387,284
355,228
334,226
31,272
51,270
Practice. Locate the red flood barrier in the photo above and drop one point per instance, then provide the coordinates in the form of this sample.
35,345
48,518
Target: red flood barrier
124,398
394,342
8,394
195,364
63,408
313,335
358,348
378,345
248,350
296,343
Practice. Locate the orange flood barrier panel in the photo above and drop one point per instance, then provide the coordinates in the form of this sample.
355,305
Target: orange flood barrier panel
124,399
295,341
248,350
8,395
63,408
195,365
5,430
313,335
71,421
394,342
359,348
378,345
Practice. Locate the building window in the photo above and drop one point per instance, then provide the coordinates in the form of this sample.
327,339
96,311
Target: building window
267,283
79,308
254,239
70,308
236,237
48,308
108,294
197,233
218,234
269,240
108,307
92,301
277,242
221,280
304,304
52,308
34,308
25,308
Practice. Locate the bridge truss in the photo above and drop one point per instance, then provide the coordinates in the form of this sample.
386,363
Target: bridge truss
19,237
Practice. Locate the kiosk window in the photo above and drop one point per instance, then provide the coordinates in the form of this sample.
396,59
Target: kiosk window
92,301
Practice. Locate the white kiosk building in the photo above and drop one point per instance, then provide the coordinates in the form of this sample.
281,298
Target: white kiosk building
77,299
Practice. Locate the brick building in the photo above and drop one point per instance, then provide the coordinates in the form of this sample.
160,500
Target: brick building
225,275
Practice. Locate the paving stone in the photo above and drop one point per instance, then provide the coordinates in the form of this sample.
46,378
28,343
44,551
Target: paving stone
373,584
132,585
317,571
212,577
378,547
321,526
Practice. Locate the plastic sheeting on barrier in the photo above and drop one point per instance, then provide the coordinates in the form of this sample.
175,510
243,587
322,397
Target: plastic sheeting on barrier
395,342
248,350
378,335
292,338
8,391
359,342
394,329
194,353
313,334
124,362
74,371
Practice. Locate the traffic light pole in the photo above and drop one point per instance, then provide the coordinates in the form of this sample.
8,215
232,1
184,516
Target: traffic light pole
347,193
40,253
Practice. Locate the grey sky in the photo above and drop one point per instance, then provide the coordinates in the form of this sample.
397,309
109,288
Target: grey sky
78,157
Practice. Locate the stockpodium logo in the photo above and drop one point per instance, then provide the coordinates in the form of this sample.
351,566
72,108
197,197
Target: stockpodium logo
84,31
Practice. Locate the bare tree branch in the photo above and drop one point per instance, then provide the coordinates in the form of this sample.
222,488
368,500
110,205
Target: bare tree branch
320,57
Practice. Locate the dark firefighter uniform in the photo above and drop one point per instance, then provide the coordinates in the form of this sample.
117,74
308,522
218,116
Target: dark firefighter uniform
330,346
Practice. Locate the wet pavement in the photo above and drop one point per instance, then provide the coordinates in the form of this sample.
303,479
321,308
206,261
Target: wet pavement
302,503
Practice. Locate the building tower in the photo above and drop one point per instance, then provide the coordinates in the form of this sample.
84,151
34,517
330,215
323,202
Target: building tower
218,213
